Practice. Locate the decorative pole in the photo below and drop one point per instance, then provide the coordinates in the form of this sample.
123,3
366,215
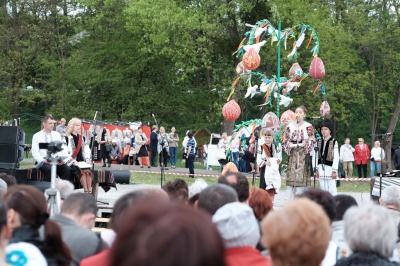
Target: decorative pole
279,69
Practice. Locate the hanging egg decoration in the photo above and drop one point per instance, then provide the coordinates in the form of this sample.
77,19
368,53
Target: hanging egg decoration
295,70
231,110
288,116
270,121
241,69
317,68
251,59
325,109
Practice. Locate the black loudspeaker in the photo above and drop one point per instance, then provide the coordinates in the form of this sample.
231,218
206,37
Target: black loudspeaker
42,185
12,144
9,156
121,176
19,174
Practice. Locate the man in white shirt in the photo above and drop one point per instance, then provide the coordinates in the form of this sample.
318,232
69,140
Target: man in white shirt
47,135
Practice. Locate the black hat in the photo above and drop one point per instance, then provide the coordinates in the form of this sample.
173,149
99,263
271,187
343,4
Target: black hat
329,124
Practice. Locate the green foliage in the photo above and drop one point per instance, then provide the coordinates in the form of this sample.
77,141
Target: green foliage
174,58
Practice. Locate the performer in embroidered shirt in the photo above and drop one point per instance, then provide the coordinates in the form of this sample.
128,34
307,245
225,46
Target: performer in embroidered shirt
298,143
271,157
47,135
327,159
79,151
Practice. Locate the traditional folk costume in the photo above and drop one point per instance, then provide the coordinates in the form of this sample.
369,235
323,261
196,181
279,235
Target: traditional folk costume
79,151
299,141
270,178
327,160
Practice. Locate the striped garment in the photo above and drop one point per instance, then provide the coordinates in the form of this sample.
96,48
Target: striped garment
192,144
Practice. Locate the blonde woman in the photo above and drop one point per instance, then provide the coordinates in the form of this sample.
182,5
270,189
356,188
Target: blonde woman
141,141
79,151
377,155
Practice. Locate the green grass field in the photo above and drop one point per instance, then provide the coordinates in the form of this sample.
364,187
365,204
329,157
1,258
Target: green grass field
154,179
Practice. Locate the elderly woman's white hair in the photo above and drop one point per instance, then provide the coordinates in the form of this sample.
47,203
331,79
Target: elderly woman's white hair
370,228
3,187
197,187
391,196
65,187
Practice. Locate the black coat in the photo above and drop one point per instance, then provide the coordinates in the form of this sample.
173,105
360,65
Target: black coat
397,157
364,259
28,234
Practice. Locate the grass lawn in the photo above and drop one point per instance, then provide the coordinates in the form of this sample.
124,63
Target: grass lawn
154,179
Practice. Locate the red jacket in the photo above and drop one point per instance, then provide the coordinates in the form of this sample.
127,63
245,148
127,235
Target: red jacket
101,259
361,156
249,256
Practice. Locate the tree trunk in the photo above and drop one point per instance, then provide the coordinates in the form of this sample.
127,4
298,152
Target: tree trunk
391,128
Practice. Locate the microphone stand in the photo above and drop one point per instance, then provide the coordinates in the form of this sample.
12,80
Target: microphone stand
316,149
162,176
92,154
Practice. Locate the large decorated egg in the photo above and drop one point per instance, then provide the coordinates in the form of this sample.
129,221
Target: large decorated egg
317,68
270,121
231,110
325,109
251,59
241,69
295,70
288,116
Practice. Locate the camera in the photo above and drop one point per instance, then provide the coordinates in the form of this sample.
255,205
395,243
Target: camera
55,146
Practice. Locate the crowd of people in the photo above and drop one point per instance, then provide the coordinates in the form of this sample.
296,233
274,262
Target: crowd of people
134,149
308,155
228,223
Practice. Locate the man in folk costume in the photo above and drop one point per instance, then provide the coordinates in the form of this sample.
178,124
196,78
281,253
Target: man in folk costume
79,151
271,157
327,159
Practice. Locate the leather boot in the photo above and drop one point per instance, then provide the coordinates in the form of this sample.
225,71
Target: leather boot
104,163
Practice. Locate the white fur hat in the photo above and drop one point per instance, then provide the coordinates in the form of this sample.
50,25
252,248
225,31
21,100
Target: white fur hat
237,225
197,187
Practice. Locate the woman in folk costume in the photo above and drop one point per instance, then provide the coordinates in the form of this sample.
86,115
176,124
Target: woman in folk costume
79,151
299,141
271,157
328,159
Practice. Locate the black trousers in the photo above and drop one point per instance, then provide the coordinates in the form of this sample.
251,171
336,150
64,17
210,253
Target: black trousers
153,154
364,167
63,171
164,157
263,185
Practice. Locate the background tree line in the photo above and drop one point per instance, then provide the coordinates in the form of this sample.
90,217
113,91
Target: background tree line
174,58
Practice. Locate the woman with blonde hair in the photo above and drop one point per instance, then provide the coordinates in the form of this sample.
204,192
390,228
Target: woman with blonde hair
141,147
79,151
377,155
